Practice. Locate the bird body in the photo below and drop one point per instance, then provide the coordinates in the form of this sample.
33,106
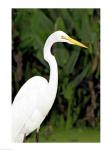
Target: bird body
36,97
26,112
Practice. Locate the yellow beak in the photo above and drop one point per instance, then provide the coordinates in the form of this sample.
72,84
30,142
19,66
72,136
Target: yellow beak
75,42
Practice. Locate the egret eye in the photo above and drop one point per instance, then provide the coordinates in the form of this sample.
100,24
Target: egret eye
62,37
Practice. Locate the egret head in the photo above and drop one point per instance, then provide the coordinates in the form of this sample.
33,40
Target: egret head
60,36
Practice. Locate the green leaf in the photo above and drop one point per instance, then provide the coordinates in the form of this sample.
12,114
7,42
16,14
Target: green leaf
59,24
61,55
72,61
68,92
81,76
69,88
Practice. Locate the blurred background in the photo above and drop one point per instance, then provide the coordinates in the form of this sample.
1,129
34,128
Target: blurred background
75,115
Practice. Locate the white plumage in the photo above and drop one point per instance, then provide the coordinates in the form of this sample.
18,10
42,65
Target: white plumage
28,113
35,98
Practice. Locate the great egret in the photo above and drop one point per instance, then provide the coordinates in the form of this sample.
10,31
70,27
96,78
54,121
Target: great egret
36,97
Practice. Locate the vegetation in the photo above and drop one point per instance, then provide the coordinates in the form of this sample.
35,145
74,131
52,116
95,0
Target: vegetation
77,105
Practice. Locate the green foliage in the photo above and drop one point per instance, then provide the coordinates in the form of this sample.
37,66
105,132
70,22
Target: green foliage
48,134
77,102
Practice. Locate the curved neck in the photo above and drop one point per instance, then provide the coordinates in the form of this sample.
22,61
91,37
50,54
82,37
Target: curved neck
53,79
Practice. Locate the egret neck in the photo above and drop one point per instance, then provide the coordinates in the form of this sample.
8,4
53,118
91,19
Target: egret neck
53,79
